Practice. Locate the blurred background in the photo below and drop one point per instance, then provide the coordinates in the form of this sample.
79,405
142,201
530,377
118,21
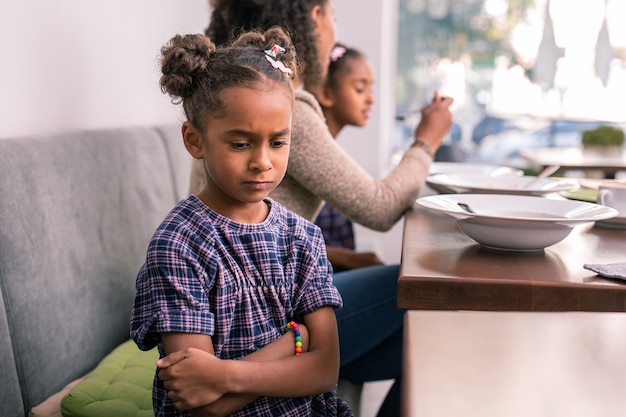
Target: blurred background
529,73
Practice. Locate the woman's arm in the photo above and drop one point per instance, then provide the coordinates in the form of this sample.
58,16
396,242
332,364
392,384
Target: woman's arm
195,377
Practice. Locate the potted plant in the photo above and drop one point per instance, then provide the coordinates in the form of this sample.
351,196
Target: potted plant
603,138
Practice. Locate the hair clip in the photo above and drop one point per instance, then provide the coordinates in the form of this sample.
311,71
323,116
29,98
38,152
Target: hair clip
274,51
337,53
279,65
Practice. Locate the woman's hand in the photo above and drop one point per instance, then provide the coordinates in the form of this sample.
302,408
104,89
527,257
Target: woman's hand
435,122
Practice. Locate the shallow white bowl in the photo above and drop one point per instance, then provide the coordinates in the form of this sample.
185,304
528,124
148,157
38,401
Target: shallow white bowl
516,222
503,184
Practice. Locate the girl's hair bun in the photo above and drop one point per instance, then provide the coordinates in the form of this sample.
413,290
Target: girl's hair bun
184,59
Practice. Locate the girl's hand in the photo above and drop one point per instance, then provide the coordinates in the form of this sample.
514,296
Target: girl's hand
192,377
192,382
435,122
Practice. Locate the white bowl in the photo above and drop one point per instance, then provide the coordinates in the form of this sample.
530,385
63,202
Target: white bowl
503,184
516,222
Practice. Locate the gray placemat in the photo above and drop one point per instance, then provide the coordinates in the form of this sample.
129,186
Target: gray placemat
616,270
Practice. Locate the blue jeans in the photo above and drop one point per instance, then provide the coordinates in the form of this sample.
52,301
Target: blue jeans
370,329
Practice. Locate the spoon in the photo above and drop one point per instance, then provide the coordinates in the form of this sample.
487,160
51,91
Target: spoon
466,207
543,174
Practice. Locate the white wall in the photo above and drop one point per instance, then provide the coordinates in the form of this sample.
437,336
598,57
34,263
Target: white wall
68,64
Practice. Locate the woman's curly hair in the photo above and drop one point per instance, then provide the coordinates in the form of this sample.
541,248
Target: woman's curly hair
231,17
195,71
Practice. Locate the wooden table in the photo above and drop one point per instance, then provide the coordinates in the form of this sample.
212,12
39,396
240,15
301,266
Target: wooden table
609,161
442,269
514,364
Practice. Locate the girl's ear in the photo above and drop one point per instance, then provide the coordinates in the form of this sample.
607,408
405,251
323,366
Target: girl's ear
325,97
193,140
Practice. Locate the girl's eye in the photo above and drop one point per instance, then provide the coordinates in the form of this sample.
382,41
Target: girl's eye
238,145
278,143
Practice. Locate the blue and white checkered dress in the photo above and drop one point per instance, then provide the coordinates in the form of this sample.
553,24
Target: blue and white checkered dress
239,283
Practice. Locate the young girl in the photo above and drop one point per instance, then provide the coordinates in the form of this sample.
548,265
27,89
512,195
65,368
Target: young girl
229,268
346,100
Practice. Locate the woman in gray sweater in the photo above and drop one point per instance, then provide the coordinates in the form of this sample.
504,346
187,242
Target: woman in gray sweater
370,324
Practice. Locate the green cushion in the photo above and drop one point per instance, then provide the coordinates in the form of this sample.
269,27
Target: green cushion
121,385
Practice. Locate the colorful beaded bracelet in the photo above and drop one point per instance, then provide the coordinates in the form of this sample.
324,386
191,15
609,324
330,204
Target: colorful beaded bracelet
296,330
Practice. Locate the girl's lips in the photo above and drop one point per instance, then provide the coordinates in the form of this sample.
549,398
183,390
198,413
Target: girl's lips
259,185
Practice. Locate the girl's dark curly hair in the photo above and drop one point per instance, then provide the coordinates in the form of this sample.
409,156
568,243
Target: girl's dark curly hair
195,71
231,17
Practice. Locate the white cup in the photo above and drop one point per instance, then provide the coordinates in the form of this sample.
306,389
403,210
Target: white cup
613,194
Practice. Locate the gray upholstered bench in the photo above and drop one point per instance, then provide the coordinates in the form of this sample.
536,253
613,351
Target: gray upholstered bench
77,210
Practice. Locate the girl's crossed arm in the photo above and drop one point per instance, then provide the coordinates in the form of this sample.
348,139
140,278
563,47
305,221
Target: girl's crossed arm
196,378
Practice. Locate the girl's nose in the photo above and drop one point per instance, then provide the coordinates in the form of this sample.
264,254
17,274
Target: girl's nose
260,161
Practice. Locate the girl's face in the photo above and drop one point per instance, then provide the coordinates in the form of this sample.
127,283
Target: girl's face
324,18
351,99
246,150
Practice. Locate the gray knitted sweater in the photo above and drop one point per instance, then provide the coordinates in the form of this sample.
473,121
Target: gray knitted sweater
320,171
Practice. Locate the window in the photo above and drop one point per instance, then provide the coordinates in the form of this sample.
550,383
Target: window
546,68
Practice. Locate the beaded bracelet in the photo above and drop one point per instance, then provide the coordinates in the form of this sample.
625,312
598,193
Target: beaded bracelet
425,147
296,330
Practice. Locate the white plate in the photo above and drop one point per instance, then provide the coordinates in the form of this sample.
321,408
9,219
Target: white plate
473,168
504,184
516,222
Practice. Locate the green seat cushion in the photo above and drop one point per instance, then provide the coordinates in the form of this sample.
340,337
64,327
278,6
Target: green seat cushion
121,385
